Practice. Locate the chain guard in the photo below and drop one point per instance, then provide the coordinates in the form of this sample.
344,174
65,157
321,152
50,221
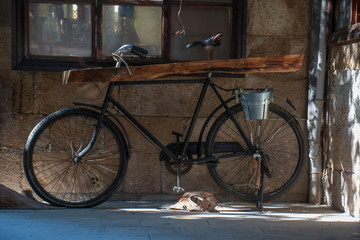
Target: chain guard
171,165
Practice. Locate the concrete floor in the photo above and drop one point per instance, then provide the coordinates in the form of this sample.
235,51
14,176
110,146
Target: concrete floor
152,220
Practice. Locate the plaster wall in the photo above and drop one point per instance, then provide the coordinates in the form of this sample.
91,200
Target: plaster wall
276,27
342,164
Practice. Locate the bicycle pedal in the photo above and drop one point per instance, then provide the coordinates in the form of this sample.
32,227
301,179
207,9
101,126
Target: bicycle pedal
178,189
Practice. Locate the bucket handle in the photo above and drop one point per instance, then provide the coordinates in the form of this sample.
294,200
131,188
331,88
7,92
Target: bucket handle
242,90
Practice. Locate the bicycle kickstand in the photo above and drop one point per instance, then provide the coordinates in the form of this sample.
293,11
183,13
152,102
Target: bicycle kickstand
261,190
178,188
260,181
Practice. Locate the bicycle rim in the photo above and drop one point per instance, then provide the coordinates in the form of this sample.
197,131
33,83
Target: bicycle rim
280,142
49,159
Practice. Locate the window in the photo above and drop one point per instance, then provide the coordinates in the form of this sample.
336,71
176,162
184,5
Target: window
62,34
139,25
343,13
199,22
60,29
347,13
355,11
346,21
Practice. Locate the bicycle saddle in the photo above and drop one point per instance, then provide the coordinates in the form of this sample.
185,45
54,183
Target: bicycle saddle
141,52
214,41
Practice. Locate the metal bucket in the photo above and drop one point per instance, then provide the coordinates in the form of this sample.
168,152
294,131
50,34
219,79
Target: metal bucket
256,104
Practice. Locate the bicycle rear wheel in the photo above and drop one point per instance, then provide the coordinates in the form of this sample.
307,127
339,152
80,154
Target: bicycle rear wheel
49,159
279,141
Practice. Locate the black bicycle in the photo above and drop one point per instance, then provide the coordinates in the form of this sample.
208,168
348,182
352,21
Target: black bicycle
77,157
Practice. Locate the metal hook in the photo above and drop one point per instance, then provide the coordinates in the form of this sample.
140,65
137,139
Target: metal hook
180,33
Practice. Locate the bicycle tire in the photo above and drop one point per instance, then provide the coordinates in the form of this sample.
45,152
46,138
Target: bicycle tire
49,159
280,142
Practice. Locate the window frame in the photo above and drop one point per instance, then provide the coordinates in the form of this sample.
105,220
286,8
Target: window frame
355,9
22,60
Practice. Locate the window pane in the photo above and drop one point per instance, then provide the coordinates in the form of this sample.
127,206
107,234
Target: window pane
200,24
60,29
140,25
343,13
207,1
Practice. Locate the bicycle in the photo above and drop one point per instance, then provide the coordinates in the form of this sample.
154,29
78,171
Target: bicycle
77,157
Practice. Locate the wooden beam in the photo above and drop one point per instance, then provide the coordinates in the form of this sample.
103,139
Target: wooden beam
288,63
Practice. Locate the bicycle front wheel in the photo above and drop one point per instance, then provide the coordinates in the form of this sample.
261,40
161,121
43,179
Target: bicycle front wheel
50,161
279,141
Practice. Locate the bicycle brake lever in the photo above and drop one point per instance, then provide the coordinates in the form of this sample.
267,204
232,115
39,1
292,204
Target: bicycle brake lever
127,66
116,57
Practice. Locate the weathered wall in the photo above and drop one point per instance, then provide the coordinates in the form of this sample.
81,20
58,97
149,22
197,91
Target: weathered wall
274,28
342,164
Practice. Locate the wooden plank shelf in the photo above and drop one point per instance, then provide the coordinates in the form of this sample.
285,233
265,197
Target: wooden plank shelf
275,64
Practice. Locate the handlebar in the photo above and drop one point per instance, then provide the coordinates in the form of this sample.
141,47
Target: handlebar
213,41
139,51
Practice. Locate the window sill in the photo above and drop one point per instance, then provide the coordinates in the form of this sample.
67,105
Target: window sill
345,35
51,65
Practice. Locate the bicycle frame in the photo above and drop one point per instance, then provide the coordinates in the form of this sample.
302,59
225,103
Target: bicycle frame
80,184
178,159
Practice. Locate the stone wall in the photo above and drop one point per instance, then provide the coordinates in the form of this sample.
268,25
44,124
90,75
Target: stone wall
276,27
342,164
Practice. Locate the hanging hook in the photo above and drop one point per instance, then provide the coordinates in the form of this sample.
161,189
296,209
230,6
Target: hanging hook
180,33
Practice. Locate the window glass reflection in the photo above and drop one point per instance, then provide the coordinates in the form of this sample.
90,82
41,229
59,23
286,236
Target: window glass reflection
343,13
60,29
140,25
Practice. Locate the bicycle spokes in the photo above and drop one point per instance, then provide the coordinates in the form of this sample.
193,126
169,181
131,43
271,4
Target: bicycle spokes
278,154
